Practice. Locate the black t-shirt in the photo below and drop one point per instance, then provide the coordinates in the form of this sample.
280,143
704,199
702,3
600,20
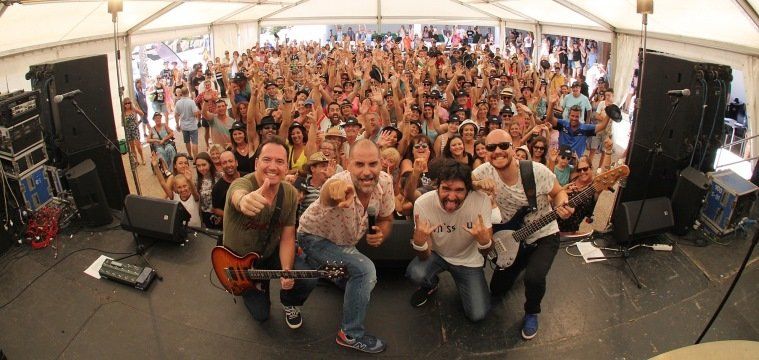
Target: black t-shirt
196,80
219,194
470,35
244,163
158,95
166,74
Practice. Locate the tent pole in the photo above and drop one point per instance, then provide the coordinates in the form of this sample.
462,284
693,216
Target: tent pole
132,157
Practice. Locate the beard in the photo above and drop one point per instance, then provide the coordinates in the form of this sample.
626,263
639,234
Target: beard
450,205
501,162
365,184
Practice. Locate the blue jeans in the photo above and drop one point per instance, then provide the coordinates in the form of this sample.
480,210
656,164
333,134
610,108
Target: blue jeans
258,302
470,281
362,276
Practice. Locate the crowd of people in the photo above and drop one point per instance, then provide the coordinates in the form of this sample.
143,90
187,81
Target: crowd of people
302,141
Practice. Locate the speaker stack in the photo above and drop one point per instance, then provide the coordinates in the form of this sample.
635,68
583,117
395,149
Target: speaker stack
70,139
674,178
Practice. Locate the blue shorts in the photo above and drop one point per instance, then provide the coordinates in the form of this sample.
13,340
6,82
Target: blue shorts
190,136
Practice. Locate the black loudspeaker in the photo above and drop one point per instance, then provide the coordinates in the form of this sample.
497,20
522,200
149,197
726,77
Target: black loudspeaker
73,133
688,198
707,82
656,218
69,137
111,170
88,193
155,218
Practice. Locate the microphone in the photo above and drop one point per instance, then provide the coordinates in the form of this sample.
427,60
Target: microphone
372,212
679,93
70,94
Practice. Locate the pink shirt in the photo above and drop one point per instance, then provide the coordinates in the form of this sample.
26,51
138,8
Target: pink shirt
346,226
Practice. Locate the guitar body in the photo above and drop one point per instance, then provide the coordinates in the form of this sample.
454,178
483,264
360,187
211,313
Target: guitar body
229,268
237,273
506,248
504,244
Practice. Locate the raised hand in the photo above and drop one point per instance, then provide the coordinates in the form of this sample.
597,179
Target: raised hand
331,168
385,139
423,229
553,154
420,165
341,193
252,203
480,233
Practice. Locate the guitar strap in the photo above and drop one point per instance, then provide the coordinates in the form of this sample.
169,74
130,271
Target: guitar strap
275,214
528,183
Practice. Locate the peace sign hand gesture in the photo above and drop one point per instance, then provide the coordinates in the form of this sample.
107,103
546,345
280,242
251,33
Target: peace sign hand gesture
480,233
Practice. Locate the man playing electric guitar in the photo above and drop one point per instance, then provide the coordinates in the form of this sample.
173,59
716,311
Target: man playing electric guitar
252,223
502,177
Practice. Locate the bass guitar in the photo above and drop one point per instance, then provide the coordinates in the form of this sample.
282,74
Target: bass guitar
506,238
237,273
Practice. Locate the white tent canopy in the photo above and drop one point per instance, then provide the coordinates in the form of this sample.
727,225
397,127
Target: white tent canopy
719,31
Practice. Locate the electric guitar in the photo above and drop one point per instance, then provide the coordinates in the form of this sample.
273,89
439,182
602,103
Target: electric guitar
237,273
506,238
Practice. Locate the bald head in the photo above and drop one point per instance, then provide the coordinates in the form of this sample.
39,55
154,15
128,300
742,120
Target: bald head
497,136
363,145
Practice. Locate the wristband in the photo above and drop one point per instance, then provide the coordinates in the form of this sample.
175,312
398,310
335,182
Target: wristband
420,248
483,247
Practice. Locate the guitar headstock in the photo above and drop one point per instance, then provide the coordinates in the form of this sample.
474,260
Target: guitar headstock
607,179
333,271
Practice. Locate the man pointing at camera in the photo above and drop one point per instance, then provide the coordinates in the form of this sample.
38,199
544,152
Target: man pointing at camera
259,216
332,226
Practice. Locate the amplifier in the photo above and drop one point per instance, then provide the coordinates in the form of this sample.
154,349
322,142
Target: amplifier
18,106
34,188
137,276
20,137
729,199
25,162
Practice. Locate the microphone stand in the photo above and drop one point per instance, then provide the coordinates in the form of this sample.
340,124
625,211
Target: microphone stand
654,153
84,114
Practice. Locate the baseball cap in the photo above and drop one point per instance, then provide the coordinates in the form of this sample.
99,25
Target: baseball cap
351,121
565,151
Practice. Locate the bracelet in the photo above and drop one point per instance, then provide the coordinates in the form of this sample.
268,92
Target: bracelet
488,245
420,248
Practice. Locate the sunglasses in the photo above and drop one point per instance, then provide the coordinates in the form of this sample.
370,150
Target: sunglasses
583,169
269,127
337,91
503,146
127,103
421,146
565,157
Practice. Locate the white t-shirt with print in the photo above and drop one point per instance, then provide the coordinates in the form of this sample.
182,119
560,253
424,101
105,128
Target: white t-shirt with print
451,240
512,198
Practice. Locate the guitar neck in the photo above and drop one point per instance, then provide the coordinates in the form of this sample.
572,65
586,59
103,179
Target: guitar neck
275,274
531,228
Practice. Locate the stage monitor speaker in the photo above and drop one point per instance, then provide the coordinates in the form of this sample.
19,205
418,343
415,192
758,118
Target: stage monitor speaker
155,218
72,132
110,167
656,218
88,193
688,198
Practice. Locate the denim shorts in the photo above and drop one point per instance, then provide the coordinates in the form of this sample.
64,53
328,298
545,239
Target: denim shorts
190,136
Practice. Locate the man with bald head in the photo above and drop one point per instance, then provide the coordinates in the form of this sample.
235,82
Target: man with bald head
219,192
333,225
501,177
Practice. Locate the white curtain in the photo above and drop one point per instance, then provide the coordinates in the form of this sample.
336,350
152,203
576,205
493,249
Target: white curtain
224,39
624,64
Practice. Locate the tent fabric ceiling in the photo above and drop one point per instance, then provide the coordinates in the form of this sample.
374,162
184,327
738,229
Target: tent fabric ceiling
730,22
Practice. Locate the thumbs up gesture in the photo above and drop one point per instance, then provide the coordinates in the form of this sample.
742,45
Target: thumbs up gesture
254,202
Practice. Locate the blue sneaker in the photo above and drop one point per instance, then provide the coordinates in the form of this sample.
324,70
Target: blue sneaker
530,327
366,343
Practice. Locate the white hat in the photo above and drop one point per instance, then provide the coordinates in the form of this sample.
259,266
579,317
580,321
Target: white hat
526,149
467,122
